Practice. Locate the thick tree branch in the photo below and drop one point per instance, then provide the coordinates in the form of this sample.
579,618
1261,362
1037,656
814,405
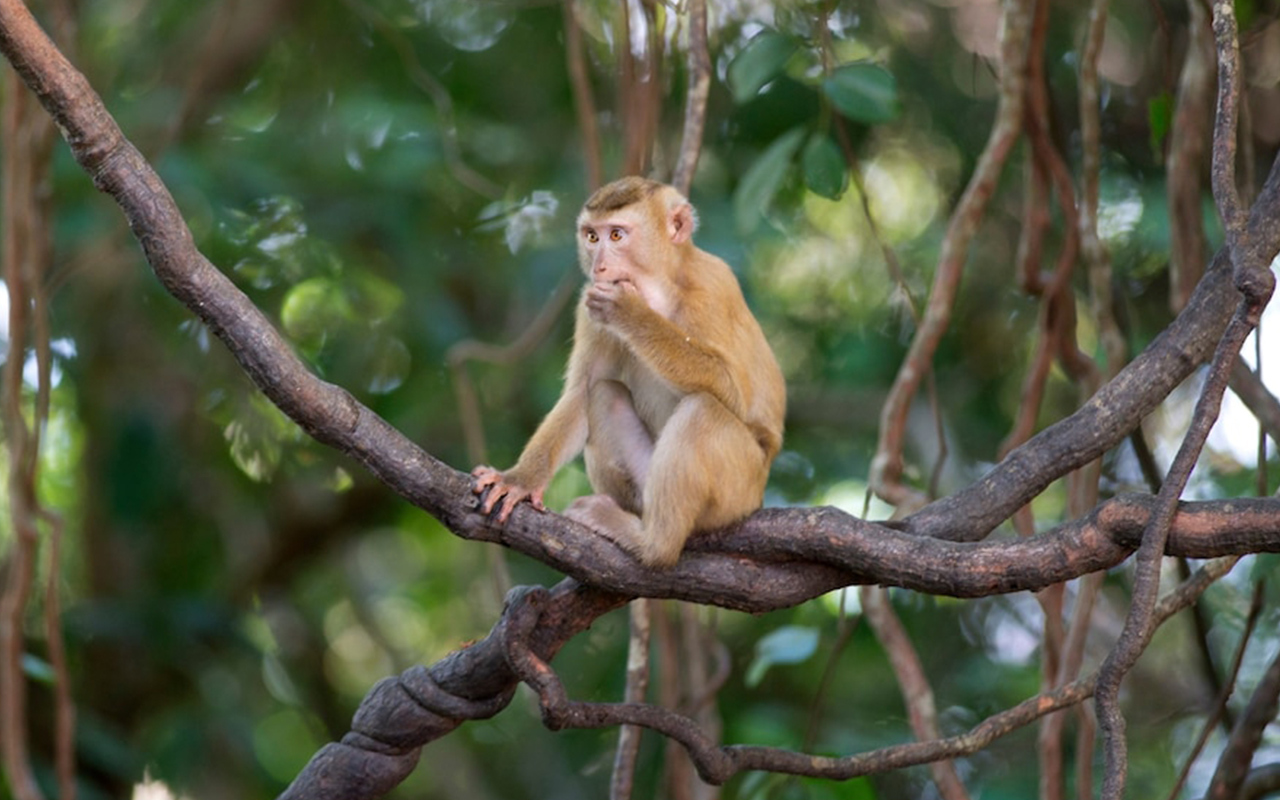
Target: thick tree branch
401,714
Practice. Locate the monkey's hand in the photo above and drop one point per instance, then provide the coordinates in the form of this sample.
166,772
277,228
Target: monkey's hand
610,303
504,493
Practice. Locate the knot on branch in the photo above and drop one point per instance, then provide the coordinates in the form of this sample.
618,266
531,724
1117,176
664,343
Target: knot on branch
407,711
428,694
524,606
1257,286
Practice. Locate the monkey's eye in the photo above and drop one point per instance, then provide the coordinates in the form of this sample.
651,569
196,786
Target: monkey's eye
615,235
592,237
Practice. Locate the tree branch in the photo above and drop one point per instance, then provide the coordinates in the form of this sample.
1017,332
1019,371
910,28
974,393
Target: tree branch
1255,282
1188,144
695,109
887,466
583,101
1224,691
917,693
401,714
1233,765
717,763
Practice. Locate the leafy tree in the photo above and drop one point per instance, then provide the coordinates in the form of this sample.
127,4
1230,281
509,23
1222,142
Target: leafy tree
983,226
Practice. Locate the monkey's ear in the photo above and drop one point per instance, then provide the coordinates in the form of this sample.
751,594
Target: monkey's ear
682,223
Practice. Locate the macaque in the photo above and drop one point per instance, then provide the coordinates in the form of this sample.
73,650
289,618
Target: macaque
671,393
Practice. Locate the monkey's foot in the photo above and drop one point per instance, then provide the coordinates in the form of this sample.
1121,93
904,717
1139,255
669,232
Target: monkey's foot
602,514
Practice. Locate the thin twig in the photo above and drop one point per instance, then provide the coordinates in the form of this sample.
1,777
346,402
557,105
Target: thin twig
624,759
18,259
896,274
888,463
1224,692
917,694
1095,253
1261,461
1233,765
846,625
460,354
1188,145
1138,626
690,685
1201,624
1264,406
26,259
1223,175
583,100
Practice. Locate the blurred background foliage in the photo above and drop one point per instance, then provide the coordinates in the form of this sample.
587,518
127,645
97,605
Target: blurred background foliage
387,178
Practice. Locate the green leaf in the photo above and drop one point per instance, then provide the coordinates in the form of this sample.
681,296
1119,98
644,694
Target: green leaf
276,678
313,310
1246,13
760,62
37,669
824,168
761,183
1266,566
863,92
790,644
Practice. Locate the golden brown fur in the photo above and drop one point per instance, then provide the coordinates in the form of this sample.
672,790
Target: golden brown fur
672,392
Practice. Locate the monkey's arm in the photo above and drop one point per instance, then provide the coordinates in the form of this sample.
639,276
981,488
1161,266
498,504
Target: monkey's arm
559,438
687,361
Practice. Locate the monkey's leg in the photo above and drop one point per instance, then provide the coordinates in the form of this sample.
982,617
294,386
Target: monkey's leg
619,453
619,446
707,470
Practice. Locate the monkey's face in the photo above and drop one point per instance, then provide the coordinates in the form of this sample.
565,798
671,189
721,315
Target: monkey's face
619,245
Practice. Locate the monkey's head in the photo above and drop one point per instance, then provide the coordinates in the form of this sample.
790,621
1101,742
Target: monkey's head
633,228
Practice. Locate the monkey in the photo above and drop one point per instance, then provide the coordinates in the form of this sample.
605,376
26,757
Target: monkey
671,392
